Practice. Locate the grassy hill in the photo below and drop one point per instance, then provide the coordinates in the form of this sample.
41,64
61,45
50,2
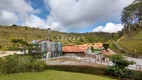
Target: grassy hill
132,42
28,34
8,33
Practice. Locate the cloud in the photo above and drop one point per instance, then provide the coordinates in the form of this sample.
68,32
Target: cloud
18,8
109,27
21,12
35,21
7,17
65,15
83,13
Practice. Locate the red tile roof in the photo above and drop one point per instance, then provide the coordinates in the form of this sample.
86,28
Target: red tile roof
107,53
71,48
96,45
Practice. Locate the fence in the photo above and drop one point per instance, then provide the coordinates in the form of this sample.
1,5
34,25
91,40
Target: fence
92,59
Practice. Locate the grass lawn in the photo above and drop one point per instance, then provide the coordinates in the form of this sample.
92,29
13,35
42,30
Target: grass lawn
53,75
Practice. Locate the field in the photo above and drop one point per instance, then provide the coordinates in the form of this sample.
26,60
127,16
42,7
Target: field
53,75
132,42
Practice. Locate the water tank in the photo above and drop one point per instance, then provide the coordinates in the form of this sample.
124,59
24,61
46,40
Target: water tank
43,46
34,42
49,46
35,45
59,44
53,45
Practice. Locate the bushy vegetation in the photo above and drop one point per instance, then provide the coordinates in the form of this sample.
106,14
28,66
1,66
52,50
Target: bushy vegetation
20,63
119,67
137,75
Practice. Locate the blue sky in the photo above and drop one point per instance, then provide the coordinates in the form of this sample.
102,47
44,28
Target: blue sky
67,15
39,4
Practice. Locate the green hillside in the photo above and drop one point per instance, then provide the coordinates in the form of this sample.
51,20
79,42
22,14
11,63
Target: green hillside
28,34
132,42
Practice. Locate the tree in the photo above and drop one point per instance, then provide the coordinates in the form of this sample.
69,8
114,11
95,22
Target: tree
26,28
20,41
81,40
21,45
14,25
131,15
33,49
119,67
106,46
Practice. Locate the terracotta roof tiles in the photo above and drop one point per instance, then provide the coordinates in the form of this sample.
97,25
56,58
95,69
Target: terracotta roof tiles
107,53
71,48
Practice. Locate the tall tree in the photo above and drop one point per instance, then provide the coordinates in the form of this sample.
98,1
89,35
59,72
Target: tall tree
132,14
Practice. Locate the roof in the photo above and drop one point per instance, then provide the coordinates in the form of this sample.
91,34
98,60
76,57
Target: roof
72,49
107,53
85,46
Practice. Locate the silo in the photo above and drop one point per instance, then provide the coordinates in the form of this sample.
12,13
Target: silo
35,46
53,45
34,42
54,49
59,44
43,46
49,46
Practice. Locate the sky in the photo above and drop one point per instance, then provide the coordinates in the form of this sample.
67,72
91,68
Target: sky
65,15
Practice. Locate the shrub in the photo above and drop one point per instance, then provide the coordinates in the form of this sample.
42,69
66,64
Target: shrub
39,65
119,67
26,28
20,63
116,71
137,75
